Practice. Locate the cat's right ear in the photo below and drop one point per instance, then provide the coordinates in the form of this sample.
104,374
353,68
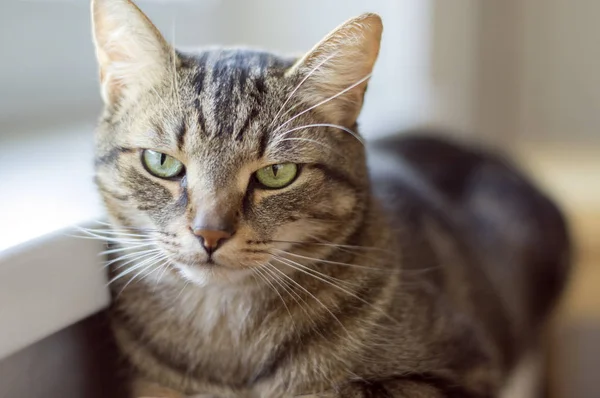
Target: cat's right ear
132,53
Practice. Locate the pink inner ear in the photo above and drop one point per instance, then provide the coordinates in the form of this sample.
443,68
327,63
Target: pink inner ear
131,51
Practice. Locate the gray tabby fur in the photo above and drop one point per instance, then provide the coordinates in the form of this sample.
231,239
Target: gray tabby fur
428,272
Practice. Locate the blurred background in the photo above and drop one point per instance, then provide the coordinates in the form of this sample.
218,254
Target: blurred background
520,75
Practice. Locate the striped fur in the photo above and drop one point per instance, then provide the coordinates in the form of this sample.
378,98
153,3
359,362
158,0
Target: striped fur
417,274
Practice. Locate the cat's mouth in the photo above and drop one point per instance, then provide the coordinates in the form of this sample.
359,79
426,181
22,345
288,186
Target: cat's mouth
202,263
210,271
208,263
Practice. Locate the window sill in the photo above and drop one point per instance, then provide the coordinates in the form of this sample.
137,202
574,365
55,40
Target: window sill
48,279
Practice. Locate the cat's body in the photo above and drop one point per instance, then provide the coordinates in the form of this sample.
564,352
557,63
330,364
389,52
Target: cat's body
468,294
428,273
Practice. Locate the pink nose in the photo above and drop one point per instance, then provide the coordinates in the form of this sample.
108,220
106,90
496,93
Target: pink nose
211,238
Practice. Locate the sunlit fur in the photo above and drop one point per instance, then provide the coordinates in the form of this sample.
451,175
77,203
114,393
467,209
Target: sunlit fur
346,283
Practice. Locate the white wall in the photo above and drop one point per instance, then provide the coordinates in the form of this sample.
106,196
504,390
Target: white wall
560,69
538,69
48,71
511,69
399,90
454,64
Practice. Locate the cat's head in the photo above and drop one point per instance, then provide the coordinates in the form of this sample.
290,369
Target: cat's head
227,158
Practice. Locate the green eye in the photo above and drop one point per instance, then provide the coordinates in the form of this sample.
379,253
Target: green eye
278,175
161,165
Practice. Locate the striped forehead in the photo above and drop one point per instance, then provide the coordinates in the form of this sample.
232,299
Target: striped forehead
232,93
231,89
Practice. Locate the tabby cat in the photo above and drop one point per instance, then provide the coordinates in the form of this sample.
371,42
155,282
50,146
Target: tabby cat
263,249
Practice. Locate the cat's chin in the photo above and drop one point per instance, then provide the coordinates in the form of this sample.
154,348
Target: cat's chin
210,274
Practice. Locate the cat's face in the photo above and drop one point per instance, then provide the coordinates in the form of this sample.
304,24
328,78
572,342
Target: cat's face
227,159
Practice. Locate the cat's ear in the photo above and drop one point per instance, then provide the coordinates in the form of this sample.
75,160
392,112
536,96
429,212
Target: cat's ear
340,66
131,51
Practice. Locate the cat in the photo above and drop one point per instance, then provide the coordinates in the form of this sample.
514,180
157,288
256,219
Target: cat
262,248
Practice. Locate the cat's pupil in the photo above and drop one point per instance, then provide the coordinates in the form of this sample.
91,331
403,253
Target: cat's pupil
275,169
163,159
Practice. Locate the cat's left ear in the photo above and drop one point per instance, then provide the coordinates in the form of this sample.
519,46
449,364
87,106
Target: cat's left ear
132,53
340,66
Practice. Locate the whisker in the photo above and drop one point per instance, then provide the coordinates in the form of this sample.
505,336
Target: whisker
103,223
187,282
311,141
112,227
167,108
341,289
322,275
310,317
393,256
274,269
334,245
120,232
277,278
135,267
325,101
110,240
168,265
318,260
123,227
125,248
123,232
270,269
112,235
259,272
135,255
116,235
157,266
132,259
145,269
309,74
310,294
335,126
289,289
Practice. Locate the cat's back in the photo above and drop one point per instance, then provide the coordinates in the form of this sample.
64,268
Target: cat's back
508,242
